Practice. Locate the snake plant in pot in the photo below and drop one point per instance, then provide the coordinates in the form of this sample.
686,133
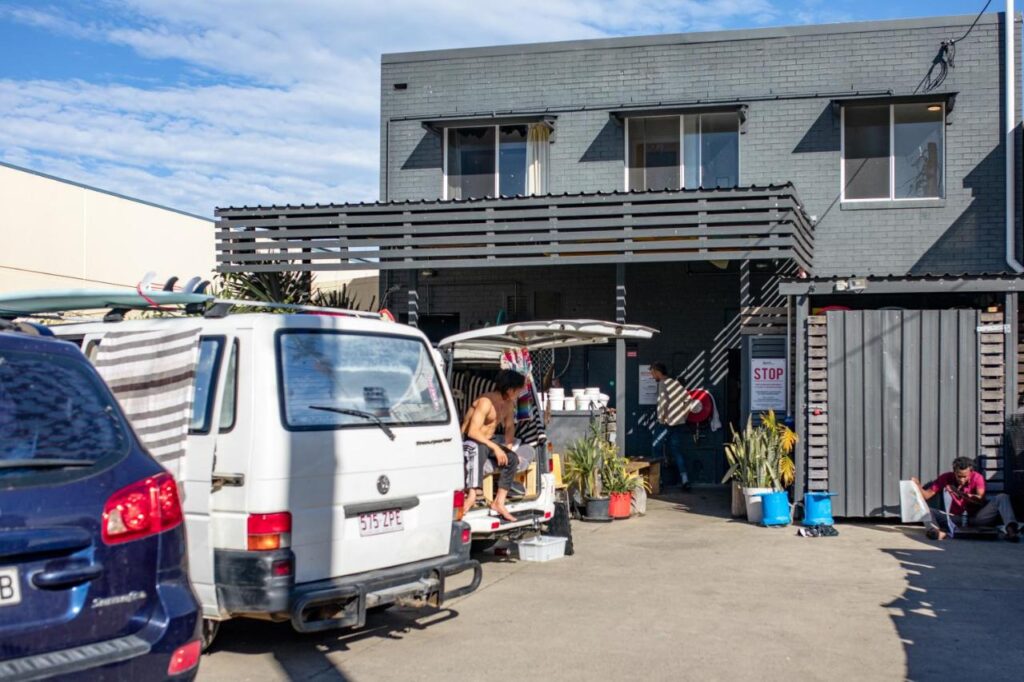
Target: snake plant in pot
759,461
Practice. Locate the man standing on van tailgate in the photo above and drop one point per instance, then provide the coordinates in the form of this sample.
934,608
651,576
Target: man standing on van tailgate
478,429
673,405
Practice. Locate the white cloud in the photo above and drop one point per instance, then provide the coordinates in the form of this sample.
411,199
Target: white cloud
295,118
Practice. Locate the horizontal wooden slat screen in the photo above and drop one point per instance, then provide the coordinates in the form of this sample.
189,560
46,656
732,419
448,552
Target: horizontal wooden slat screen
753,223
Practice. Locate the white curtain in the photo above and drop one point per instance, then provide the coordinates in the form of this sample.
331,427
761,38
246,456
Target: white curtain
537,141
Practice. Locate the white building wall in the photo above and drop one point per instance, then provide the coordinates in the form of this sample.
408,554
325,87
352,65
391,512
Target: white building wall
58,234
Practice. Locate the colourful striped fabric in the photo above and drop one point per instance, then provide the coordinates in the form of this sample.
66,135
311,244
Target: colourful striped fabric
152,373
468,387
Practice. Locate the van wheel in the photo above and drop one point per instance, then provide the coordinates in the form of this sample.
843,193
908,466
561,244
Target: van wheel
210,629
560,526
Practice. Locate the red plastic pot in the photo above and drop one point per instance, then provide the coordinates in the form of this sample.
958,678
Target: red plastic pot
620,506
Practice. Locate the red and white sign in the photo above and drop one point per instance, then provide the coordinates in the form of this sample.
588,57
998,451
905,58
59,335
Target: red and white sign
768,378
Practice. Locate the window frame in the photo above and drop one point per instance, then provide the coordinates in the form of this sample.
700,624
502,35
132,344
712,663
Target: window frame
496,186
892,198
699,115
234,353
212,400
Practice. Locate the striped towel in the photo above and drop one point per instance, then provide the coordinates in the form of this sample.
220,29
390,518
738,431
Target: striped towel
152,373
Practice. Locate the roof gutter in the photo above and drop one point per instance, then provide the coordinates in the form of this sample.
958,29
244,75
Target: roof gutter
1010,139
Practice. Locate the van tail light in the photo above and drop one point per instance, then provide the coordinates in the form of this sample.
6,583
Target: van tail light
466,536
141,509
184,658
269,531
458,505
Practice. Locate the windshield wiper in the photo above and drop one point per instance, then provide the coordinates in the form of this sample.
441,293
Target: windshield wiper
357,413
45,463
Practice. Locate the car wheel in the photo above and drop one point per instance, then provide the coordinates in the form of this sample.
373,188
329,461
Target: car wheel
210,629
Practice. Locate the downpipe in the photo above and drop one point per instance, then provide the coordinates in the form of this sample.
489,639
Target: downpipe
1010,138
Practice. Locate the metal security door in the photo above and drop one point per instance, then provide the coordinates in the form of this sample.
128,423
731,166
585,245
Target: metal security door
903,396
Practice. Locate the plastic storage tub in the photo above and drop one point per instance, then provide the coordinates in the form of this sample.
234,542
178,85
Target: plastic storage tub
542,548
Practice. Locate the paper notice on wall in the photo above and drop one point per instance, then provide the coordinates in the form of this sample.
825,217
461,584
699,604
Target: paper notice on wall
768,379
648,388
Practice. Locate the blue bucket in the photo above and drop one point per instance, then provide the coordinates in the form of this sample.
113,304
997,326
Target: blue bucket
775,507
818,509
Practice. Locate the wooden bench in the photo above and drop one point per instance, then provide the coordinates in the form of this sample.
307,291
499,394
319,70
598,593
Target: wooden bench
650,470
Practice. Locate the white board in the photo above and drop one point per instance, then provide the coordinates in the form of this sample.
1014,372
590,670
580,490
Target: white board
768,380
648,388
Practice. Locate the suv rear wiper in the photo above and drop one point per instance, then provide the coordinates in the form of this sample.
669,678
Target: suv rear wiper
45,463
357,413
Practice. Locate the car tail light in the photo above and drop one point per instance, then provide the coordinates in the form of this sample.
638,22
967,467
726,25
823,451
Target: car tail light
458,504
184,658
466,536
141,509
269,531
281,568
547,515
495,525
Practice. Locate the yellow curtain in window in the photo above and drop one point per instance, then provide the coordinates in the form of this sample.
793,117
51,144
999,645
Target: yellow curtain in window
537,140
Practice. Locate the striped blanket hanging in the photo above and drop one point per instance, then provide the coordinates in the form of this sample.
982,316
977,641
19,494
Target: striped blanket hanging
466,387
152,373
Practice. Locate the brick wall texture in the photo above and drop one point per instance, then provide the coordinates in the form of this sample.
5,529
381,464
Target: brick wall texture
793,139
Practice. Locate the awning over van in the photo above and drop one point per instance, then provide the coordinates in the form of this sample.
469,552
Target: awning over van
489,342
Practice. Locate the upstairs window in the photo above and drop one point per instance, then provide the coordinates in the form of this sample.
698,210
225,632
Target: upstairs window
690,151
893,151
498,160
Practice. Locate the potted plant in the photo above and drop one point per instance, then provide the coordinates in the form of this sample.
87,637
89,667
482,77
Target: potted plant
620,483
759,461
583,464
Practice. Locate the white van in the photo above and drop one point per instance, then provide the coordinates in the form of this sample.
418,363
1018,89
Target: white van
323,470
473,356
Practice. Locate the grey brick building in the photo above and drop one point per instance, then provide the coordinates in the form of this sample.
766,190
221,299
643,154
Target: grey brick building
691,174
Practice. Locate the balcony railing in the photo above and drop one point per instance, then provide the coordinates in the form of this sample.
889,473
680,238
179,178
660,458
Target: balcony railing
746,223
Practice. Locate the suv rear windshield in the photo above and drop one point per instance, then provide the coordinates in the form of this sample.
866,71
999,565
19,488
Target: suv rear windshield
54,408
387,378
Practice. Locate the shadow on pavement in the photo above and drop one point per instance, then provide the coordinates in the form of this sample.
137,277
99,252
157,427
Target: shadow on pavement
710,501
304,656
960,615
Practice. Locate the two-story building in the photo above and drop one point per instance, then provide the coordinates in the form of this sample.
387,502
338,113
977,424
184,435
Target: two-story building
836,202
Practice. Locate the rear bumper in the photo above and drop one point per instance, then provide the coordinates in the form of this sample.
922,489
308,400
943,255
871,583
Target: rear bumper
246,586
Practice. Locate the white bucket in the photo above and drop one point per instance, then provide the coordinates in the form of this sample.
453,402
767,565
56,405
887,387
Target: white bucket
755,512
583,402
557,404
577,392
556,392
569,404
592,391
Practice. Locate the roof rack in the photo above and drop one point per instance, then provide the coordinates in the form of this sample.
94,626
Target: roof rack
220,307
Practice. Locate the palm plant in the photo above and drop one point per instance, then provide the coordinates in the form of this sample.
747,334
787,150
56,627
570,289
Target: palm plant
294,288
616,478
781,441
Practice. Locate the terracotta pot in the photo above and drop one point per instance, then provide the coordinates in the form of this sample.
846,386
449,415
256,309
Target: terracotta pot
620,505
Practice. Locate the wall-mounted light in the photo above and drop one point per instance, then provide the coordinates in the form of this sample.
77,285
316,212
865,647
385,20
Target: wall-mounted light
428,273
934,107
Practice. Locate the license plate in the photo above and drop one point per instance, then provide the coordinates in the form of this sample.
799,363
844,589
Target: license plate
375,523
10,589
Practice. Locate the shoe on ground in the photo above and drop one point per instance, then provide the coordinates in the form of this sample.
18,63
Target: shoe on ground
935,534
1011,533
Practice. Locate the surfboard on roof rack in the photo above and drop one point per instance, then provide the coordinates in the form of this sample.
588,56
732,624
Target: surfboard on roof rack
60,300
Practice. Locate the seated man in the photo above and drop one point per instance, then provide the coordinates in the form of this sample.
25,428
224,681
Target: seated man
964,491
478,428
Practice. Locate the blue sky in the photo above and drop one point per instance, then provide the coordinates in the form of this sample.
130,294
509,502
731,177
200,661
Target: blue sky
203,103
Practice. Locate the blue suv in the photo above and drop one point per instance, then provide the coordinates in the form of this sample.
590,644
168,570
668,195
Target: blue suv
93,570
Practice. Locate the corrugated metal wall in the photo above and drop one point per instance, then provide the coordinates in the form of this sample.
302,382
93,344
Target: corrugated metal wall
903,396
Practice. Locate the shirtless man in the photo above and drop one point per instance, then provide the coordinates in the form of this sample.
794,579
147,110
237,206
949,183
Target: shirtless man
478,428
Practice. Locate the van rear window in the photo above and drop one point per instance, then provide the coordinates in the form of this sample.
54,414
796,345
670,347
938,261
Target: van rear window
55,415
370,377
